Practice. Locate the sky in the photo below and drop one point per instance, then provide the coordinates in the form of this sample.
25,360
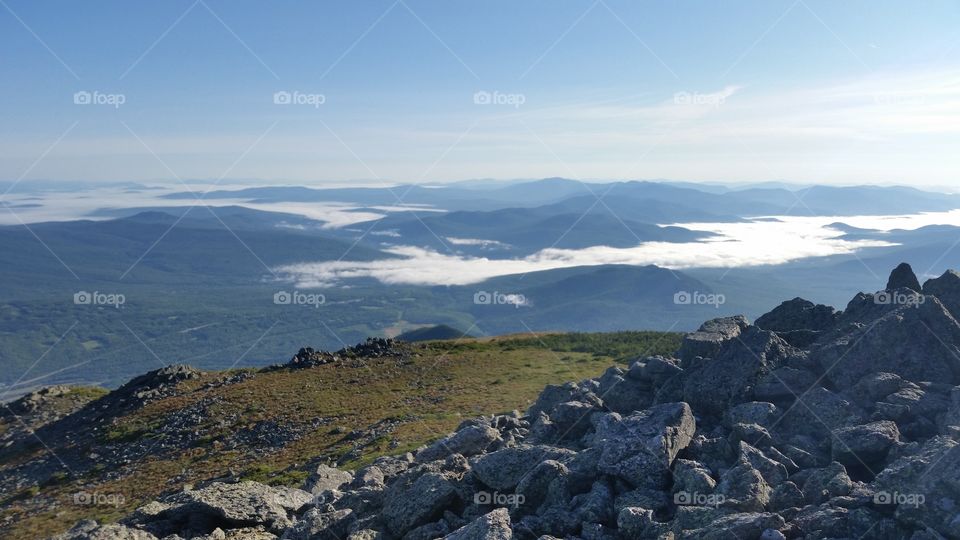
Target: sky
392,91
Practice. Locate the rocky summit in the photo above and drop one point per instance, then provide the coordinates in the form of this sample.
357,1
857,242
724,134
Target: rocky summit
811,424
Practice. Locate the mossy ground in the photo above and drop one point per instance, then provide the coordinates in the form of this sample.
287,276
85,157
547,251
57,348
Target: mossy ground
445,382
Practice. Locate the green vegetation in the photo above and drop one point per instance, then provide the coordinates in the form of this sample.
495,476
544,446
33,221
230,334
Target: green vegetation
420,400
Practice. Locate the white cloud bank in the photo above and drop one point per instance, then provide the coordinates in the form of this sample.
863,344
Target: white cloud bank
737,244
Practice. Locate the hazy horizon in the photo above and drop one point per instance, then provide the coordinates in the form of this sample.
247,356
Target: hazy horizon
809,91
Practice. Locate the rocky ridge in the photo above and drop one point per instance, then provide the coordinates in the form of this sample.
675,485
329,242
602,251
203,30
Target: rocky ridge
809,424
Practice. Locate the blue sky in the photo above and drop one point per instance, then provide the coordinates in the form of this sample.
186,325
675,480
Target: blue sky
804,91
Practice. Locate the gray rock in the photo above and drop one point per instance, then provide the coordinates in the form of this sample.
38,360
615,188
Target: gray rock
502,470
420,495
467,442
622,394
633,522
874,387
865,445
640,448
711,337
595,506
932,472
817,414
784,384
730,377
826,483
535,486
903,277
786,495
947,289
223,505
744,488
773,472
692,477
90,530
798,314
326,478
370,476
746,525
753,412
918,342
318,524
492,526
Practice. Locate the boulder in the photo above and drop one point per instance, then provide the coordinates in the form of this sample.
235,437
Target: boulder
730,377
866,445
826,483
903,277
640,448
622,394
222,505
745,525
711,337
467,442
90,530
923,487
318,524
492,526
947,289
502,470
743,487
919,342
784,384
798,314
326,478
411,504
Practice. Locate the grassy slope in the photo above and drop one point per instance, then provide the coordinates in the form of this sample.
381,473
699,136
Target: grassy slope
447,382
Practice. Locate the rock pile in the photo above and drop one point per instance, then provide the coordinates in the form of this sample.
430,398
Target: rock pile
809,424
372,348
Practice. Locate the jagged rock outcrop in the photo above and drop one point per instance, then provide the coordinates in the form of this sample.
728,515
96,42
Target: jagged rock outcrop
847,430
903,277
